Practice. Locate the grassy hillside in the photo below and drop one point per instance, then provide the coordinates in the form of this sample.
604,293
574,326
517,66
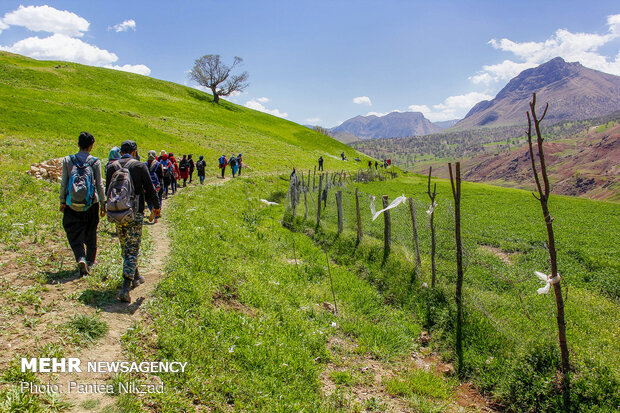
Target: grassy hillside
44,105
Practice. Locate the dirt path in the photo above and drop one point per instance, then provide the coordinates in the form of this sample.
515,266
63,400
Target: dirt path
119,317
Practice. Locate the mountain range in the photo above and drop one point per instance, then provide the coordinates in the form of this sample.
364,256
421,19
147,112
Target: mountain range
573,92
392,125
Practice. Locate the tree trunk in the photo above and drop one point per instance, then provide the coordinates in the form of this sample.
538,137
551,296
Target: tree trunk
456,192
360,234
387,231
216,97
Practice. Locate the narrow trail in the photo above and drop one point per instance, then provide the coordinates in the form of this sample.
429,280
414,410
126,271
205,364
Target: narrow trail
119,317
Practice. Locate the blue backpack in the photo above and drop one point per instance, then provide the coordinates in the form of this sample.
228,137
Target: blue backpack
81,185
153,172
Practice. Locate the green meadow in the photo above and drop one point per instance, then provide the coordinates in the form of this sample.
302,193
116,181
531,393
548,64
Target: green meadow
246,299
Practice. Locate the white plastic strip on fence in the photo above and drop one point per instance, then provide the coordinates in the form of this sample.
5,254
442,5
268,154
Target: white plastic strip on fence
396,202
548,280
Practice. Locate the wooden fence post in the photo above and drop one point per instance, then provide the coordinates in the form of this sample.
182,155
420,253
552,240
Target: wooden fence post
318,211
414,223
432,196
308,181
387,230
306,201
360,234
339,205
456,193
314,179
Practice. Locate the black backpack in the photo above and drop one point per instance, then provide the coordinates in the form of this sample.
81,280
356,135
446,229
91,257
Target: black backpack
183,165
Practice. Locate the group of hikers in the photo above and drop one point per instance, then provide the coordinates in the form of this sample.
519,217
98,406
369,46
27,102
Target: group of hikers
235,163
129,185
384,164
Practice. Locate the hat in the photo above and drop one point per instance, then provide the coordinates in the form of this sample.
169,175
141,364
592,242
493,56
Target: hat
128,146
201,157
115,153
162,152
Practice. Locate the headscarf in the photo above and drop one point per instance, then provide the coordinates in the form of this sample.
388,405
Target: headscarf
164,157
162,152
115,153
152,156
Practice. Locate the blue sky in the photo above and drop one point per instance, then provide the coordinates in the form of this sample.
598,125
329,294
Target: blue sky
322,62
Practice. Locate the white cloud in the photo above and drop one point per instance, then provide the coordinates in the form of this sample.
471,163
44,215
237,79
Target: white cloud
124,26
572,47
453,107
257,105
262,100
313,121
47,19
139,69
3,26
362,100
419,108
62,47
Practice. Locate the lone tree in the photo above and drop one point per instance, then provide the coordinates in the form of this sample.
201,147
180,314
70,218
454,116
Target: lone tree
210,72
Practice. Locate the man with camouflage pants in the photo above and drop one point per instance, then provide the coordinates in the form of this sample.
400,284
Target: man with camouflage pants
130,234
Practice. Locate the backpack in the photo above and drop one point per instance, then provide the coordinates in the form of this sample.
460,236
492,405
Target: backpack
122,203
81,184
153,173
183,165
167,166
200,166
222,161
232,161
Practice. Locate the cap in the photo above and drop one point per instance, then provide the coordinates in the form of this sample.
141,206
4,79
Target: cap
129,146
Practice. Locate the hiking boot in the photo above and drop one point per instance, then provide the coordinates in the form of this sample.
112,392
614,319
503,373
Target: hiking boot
152,216
137,280
83,266
124,294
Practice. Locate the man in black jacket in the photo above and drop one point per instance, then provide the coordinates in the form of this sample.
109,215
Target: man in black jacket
130,234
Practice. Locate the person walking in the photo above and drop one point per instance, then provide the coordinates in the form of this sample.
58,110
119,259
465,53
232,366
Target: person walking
192,167
201,167
222,163
233,165
167,173
369,164
376,165
343,156
114,155
176,175
157,177
240,162
320,163
81,200
184,170
128,183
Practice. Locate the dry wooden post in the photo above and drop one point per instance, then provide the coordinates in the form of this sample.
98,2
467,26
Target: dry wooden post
387,230
360,234
432,222
314,179
339,206
318,211
544,191
456,193
414,223
306,201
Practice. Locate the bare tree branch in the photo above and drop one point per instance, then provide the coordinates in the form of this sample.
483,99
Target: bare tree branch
210,72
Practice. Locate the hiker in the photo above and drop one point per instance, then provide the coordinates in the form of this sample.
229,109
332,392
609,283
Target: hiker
157,177
293,173
81,190
176,175
240,162
114,155
167,173
184,170
192,167
369,164
223,162
201,166
320,163
389,161
376,165
128,181
233,165
342,156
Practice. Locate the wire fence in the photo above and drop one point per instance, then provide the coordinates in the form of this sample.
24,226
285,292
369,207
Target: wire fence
489,281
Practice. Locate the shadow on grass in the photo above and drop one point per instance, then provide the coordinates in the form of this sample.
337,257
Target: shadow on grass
106,301
60,276
205,97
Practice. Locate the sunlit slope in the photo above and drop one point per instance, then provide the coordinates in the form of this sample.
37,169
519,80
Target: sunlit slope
44,105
